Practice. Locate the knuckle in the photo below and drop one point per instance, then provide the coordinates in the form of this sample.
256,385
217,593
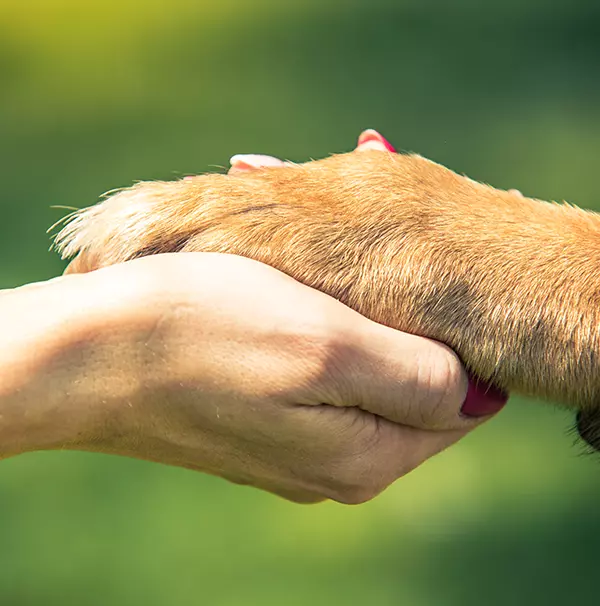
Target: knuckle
327,356
440,381
356,496
358,478
357,490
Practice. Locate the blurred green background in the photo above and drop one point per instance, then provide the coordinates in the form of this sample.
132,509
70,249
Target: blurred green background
96,95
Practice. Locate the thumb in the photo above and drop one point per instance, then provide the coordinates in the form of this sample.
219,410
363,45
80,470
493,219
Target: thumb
414,381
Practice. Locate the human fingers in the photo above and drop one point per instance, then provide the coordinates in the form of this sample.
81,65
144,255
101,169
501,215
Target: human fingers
368,140
407,379
248,162
372,140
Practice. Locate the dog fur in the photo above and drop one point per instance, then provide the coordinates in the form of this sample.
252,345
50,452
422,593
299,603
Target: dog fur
511,284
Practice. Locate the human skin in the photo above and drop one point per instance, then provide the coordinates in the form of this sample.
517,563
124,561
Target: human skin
509,283
224,365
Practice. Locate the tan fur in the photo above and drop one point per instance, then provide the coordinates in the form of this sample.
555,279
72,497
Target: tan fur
510,283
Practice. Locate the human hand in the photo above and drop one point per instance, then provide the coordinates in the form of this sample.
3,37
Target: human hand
224,365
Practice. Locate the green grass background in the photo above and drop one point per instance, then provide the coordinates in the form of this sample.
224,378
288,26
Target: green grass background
95,95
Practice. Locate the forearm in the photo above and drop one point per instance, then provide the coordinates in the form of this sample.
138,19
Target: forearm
54,391
222,365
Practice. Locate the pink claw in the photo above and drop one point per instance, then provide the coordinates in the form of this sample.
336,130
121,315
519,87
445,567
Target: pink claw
247,162
516,192
371,139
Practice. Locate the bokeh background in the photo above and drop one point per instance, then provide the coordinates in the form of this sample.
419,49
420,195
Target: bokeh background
95,95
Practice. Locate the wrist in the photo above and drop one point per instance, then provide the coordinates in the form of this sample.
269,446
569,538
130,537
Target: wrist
59,385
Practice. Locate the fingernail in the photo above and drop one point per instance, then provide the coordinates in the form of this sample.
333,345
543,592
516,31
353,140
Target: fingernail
254,161
373,140
483,400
